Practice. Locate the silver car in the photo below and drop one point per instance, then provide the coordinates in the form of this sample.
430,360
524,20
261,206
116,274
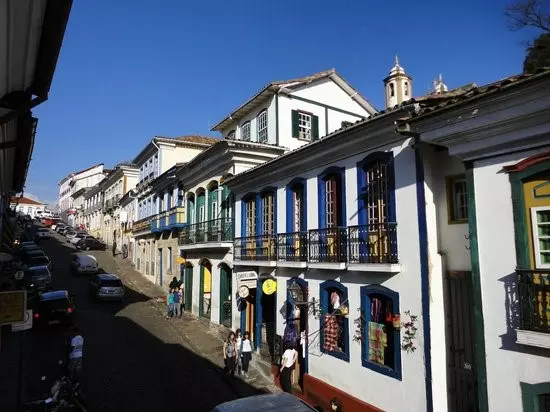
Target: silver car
106,286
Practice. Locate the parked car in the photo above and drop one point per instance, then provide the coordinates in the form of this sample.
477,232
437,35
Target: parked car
28,243
43,233
32,253
70,234
37,261
266,403
38,278
79,237
106,286
91,244
53,308
82,264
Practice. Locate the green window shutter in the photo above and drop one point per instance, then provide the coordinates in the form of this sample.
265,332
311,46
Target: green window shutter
295,123
314,128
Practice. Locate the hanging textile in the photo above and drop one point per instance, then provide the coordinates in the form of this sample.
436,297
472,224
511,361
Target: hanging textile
335,300
331,331
378,341
290,333
375,309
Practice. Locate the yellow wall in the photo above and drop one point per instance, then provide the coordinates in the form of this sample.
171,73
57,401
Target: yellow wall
532,201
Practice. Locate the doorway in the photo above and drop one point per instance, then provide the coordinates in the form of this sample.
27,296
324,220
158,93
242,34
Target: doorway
266,309
460,343
225,295
160,266
188,286
297,315
248,314
205,294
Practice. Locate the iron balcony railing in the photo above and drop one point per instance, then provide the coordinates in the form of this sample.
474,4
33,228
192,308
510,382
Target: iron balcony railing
373,243
292,247
534,300
328,245
142,225
256,248
210,231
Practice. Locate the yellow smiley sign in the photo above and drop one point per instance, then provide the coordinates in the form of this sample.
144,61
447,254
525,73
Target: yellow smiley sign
269,287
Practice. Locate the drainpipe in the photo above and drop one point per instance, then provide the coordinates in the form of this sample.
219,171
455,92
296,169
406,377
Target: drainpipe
405,130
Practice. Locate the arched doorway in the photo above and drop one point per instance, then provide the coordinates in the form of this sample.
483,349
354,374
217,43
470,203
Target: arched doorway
297,314
205,291
225,295
186,279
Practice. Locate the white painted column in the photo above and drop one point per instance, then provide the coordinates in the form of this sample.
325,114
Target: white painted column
206,205
220,198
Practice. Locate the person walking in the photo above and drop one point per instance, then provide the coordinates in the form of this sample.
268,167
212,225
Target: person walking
170,304
114,248
174,283
177,300
245,349
287,366
76,347
230,354
238,339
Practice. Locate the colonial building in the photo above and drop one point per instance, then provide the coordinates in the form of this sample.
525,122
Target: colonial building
93,210
72,184
123,177
128,214
161,154
26,206
78,206
327,256
486,186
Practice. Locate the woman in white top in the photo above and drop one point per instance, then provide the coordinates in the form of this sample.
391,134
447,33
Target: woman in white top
287,366
245,350
239,340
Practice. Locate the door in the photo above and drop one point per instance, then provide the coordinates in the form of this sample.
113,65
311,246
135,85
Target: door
225,296
205,289
188,288
160,266
460,344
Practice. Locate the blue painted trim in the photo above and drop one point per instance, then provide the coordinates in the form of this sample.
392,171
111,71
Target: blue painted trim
301,182
290,314
243,319
321,192
324,296
366,292
259,313
424,275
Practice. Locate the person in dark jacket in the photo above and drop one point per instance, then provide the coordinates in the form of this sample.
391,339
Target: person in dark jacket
174,283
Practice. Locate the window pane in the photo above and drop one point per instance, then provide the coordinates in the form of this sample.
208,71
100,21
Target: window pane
543,216
543,230
380,331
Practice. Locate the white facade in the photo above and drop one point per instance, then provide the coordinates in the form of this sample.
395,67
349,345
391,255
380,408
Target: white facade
27,206
296,112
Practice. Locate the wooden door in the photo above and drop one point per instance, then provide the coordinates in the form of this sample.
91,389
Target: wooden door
460,344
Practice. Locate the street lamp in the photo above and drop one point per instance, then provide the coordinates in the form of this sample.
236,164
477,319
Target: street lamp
297,295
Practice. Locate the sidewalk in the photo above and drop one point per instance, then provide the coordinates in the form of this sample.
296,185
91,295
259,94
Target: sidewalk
201,336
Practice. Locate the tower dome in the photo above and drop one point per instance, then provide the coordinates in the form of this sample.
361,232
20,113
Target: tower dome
397,86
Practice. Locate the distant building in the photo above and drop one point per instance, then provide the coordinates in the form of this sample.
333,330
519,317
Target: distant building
26,206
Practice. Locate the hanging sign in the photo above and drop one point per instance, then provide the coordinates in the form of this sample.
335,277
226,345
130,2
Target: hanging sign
180,260
243,292
269,287
13,306
247,275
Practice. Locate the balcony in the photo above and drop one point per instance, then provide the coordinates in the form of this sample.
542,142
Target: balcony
373,247
212,233
534,306
367,248
259,249
168,220
292,249
328,248
142,225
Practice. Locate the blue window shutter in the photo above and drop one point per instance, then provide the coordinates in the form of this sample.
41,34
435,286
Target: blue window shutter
361,193
243,219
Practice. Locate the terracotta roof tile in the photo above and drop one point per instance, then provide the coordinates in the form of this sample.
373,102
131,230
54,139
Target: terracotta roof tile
198,139
24,200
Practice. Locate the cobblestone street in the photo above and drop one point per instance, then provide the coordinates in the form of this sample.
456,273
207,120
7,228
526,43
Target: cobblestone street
134,360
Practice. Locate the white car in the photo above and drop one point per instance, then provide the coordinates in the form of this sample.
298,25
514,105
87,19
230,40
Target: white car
81,263
79,237
69,235
43,233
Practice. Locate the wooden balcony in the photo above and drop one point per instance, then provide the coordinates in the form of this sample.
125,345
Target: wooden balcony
208,233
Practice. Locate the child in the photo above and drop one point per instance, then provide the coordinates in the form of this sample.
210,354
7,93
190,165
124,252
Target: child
177,299
245,349
170,303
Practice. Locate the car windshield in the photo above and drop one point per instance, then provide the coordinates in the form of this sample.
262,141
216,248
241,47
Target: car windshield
55,304
112,283
39,272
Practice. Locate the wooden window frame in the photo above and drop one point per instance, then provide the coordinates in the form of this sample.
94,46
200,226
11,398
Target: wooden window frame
450,193
250,218
536,238
268,213
261,126
246,126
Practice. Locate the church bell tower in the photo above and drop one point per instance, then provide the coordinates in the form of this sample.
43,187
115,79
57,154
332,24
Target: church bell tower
397,86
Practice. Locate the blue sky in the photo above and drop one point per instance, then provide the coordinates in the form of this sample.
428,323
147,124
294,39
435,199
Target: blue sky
129,70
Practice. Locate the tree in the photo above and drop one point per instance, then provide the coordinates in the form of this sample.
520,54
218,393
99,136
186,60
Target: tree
532,14
529,13
538,54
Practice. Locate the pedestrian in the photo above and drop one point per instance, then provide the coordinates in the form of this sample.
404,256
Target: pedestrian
287,366
75,355
124,251
245,349
177,300
238,339
174,283
170,304
230,354
182,301
114,248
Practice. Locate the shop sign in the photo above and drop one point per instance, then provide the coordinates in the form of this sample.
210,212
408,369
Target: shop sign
247,275
13,306
249,283
180,260
243,292
269,287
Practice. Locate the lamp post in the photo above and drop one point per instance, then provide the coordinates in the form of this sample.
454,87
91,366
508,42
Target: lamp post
297,295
